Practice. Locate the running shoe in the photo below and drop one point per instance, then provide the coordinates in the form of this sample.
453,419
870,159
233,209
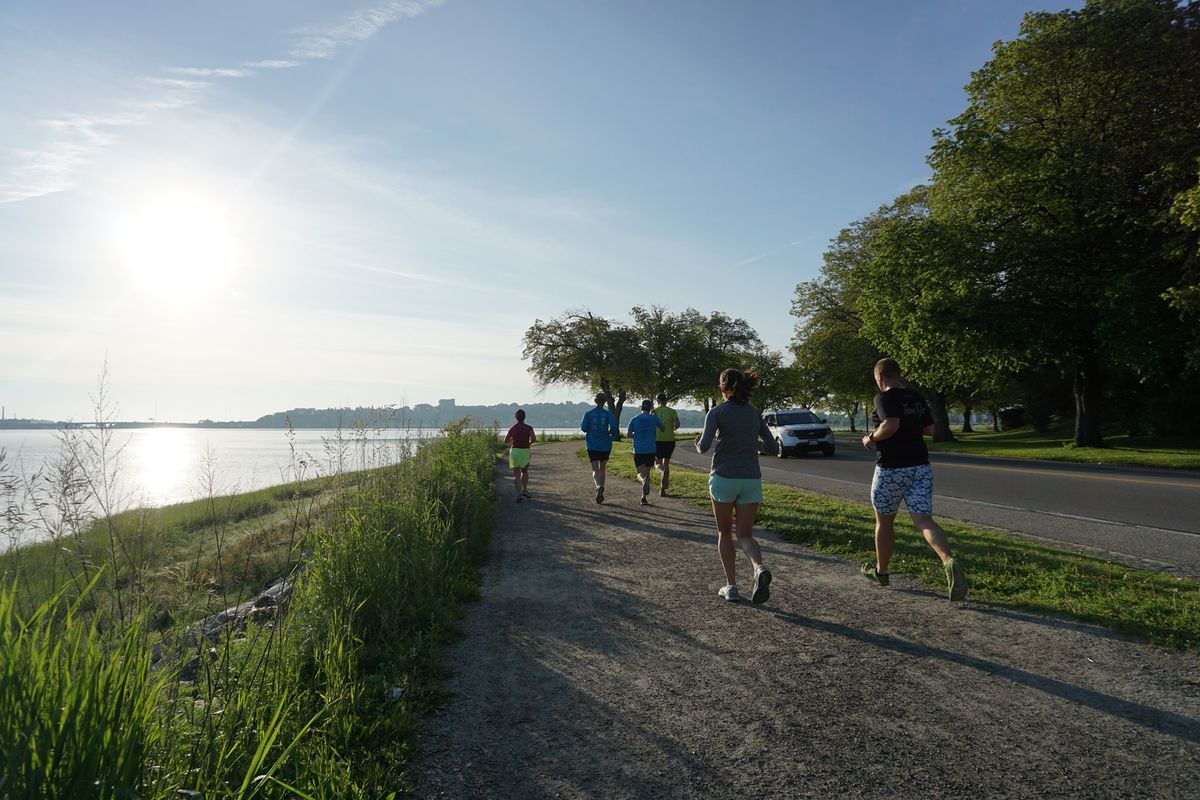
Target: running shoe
526,495
762,585
874,575
520,498
730,593
956,577
663,493
599,494
645,502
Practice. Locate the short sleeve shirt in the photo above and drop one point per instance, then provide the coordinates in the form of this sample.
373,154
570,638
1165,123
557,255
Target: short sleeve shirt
667,416
600,426
643,428
521,435
905,448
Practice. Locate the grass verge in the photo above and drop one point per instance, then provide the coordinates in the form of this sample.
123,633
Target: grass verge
1057,445
320,702
1004,571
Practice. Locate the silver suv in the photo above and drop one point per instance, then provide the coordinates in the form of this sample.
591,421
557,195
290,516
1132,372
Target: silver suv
798,430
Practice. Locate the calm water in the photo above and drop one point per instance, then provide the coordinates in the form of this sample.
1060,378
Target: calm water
161,466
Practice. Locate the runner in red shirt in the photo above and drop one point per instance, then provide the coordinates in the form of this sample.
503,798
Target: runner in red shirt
519,438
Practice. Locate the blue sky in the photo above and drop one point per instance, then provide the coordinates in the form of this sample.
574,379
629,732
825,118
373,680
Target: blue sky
246,207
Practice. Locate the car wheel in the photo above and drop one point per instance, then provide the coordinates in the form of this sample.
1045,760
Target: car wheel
779,451
828,451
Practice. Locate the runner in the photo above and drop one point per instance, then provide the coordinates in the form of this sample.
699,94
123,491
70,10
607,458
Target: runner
644,428
664,441
601,428
902,472
735,482
520,437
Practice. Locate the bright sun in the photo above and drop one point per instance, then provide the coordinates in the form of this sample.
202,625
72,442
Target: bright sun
179,246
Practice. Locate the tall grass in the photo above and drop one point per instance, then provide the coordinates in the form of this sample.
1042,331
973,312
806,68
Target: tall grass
320,701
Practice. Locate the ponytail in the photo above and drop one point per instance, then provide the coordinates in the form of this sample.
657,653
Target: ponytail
740,383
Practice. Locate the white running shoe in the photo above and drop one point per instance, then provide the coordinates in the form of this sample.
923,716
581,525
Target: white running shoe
730,593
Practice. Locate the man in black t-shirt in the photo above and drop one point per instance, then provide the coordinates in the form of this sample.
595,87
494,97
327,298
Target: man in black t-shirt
902,472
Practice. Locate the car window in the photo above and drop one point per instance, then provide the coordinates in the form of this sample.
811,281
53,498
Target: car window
771,419
798,418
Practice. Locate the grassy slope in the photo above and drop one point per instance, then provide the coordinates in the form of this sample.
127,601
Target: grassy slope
325,699
1003,571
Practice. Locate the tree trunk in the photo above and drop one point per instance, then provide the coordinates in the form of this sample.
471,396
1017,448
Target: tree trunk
941,418
1087,403
995,412
966,428
853,414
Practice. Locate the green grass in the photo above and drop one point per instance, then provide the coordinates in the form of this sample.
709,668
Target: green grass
1057,445
1003,571
319,702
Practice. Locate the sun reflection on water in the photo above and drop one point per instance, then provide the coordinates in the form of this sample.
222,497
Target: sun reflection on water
161,462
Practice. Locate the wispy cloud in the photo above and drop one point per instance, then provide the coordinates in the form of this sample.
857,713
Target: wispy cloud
72,142
78,138
168,93
212,72
768,254
273,63
358,26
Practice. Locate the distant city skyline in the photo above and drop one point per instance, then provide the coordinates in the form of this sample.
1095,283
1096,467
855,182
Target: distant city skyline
241,208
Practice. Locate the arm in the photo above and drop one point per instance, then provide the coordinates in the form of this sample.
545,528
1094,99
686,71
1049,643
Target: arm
532,436
927,430
769,444
885,430
704,440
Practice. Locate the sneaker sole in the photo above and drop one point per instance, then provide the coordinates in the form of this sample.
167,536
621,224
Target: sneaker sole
762,587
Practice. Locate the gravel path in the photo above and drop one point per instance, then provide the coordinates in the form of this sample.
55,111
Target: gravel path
601,664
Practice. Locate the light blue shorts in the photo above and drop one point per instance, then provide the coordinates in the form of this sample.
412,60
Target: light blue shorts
913,485
739,491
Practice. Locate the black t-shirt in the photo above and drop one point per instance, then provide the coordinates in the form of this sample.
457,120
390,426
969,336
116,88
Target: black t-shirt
906,447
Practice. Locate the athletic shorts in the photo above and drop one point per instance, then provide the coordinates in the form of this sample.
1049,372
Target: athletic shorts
913,485
518,457
598,455
739,491
643,459
663,449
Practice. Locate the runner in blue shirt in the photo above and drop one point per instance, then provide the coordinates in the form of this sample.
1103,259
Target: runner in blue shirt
601,428
644,429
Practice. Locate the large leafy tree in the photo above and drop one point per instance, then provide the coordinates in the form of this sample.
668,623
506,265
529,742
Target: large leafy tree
1076,139
582,349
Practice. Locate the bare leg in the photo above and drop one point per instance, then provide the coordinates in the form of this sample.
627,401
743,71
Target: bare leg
723,513
885,540
664,466
933,533
598,474
746,512
524,479
517,479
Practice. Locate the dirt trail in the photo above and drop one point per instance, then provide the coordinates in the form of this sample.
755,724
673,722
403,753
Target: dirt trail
601,663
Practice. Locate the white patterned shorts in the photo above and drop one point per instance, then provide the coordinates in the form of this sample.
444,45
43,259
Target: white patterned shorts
913,485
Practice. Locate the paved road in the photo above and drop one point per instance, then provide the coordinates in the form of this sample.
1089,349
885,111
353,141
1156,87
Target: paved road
1139,516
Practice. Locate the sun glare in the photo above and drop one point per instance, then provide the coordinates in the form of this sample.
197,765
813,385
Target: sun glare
178,246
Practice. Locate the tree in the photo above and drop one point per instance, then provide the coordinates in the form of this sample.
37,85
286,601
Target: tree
832,359
582,349
1077,138
722,342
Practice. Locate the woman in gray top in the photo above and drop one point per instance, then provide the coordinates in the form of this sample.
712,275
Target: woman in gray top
735,482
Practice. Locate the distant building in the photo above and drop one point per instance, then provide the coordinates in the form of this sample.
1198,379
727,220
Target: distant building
446,404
